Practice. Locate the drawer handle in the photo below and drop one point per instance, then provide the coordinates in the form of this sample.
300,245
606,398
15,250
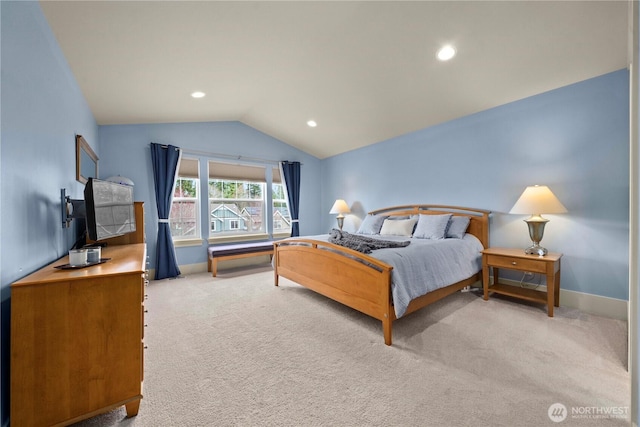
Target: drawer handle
514,263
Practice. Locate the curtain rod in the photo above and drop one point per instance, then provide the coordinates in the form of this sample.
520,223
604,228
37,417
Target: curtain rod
227,156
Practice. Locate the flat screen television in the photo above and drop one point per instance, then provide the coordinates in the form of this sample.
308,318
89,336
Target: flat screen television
109,209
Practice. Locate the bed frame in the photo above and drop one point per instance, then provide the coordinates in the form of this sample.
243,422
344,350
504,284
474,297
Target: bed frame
360,281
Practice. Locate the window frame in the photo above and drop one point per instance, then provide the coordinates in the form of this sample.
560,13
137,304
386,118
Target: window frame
280,232
188,169
243,177
267,177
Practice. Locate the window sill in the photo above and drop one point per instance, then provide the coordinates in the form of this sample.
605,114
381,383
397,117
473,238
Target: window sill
187,242
238,238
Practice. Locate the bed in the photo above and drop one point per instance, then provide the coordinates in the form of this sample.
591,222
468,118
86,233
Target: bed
365,282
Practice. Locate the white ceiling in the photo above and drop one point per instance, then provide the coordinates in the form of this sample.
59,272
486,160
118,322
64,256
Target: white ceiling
365,71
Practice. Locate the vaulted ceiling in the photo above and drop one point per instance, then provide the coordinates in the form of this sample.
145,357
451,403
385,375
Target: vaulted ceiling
364,71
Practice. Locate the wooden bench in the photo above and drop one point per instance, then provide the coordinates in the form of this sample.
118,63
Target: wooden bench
236,251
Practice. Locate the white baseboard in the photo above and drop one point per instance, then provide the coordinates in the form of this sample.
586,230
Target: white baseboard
588,303
225,264
200,267
184,269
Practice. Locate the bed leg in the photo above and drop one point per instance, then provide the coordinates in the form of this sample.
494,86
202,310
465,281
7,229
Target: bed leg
386,328
275,278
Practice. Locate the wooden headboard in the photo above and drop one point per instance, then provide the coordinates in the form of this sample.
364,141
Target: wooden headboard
478,224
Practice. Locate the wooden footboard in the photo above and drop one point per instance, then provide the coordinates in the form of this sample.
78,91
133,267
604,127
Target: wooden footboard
344,275
360,281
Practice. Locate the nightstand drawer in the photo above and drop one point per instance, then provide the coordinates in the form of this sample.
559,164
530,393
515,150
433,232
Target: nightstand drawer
522,264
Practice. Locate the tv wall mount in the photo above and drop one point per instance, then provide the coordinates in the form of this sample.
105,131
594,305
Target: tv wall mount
70,208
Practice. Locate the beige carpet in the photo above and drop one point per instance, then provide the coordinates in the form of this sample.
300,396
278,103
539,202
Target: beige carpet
237,351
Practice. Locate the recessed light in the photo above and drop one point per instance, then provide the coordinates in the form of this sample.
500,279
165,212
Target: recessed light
197,95
312,123
446,53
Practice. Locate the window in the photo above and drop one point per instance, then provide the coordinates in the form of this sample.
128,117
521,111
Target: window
184,217
280,207
237,200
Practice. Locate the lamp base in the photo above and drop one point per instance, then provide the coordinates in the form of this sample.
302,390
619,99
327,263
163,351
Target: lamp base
340,219
536,230
536,249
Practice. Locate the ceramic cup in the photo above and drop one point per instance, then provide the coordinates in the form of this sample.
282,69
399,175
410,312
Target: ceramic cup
77,257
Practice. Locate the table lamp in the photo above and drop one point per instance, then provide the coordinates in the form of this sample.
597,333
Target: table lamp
536,200
340,207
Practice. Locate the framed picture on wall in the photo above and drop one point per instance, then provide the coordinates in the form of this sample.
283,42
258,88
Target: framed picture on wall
86,161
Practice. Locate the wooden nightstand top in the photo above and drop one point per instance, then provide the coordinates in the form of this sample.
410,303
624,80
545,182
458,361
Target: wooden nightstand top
519,253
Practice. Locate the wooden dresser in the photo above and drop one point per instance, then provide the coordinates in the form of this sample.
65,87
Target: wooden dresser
77,339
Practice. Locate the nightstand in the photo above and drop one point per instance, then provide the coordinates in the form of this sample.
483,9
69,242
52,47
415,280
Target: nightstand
516,259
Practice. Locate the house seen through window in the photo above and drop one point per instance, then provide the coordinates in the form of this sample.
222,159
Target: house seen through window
239,203
236,206
242,200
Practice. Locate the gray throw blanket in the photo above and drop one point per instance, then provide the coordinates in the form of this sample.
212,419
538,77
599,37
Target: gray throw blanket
362,243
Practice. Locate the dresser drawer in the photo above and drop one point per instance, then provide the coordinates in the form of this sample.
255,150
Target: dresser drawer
516,263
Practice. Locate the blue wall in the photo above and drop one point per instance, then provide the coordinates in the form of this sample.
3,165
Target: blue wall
124,150
42,110
574,139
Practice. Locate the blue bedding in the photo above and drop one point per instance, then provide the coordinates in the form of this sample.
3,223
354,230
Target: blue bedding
426,265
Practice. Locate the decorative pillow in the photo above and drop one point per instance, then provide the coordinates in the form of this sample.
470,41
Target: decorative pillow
397,227
458,226
432,226
371,224
401,217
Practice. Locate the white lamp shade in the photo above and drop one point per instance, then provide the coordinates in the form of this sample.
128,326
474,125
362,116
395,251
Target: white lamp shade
340,207
538,199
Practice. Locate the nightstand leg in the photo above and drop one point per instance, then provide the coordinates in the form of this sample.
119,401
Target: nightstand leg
485,282
557,289
551,293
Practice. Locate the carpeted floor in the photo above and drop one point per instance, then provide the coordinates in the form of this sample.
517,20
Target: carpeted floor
237,351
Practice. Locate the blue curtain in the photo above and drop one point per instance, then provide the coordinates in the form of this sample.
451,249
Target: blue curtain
165,164
291,173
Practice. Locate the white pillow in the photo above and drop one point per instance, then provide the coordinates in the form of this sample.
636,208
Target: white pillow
432,226
398,227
